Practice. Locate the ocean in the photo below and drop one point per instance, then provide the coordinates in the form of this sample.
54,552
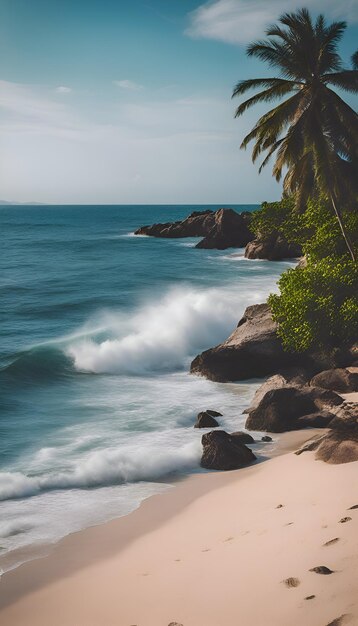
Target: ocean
98,328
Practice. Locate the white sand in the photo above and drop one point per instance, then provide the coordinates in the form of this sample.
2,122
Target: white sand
216,559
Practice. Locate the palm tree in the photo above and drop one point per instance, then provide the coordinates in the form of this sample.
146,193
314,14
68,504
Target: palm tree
314,132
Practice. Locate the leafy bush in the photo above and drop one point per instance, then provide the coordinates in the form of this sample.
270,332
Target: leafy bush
275,217
321,235
318,305
316,230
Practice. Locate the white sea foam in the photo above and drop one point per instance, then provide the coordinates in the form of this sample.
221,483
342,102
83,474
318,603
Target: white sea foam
161,336
106,467
13,527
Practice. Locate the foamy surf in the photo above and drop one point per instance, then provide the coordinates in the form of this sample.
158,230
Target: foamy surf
162,335
97,404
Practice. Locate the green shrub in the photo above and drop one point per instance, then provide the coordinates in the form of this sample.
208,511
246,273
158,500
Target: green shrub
318,305
316,230
276,217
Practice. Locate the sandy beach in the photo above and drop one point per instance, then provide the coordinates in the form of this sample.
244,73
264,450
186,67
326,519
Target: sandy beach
220,549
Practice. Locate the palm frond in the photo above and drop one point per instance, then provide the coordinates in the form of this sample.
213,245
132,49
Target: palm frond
264,96
347,80
245,85
273,123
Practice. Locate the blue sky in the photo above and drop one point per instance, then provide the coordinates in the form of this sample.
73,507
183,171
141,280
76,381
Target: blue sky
106,101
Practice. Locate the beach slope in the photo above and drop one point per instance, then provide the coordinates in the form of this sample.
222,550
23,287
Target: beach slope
242,552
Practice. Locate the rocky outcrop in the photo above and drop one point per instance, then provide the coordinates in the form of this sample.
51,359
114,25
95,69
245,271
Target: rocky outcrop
243,437
253,350
222,451
230,230
273,248
221,229
339,379
340,444
318,419
205,420
291,377
197,224
293,408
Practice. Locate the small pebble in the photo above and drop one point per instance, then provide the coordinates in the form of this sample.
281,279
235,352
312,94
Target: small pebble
344,520
309,597
321,569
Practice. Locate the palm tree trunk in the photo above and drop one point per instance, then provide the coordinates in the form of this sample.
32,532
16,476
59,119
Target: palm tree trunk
343,229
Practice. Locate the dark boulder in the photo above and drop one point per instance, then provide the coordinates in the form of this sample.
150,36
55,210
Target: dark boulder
280,409
213,413
243,437
205,420
273,248
339,379
222,451
273,382
230,230
266,438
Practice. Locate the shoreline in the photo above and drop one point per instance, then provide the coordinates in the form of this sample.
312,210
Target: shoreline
156,554
151,512
284,442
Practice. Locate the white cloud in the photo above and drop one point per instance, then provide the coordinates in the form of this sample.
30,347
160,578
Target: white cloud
240,21
128,84
63,89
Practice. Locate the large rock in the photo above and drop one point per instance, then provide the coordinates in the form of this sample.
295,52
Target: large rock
340,444
213,413
230,230
205,420
338,379
253,350
293,408
221,229
222,451
273,248
289,378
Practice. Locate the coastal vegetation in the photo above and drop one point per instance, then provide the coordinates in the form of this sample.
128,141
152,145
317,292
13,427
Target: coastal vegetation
318,302
314,137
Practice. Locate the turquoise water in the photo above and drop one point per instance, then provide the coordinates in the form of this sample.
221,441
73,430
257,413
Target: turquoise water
98,328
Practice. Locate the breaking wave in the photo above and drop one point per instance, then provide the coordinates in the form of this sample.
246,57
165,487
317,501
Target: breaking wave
161,336
105,468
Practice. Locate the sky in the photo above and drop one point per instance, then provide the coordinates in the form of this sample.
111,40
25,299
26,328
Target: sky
129,101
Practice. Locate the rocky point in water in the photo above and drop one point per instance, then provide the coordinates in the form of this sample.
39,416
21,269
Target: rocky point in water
220,229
